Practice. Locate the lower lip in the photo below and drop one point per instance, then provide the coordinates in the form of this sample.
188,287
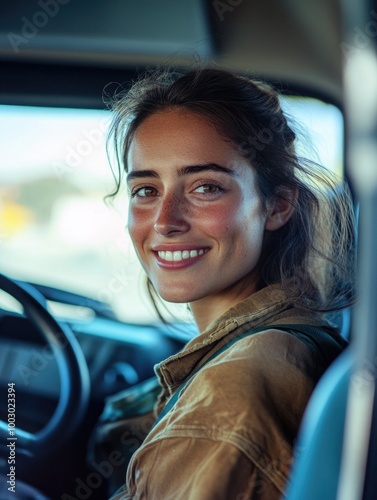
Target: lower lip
178,264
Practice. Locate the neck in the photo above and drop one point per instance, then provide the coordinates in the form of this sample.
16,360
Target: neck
208,309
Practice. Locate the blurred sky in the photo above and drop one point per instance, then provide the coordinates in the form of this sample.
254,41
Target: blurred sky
34,139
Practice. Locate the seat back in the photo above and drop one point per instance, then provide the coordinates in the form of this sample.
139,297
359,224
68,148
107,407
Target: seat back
318,457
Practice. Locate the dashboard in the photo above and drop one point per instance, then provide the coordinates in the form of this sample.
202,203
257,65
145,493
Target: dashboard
118,355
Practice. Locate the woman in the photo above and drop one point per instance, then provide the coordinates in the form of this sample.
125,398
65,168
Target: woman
225,217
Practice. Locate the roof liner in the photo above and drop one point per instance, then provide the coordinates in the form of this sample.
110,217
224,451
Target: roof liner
292,41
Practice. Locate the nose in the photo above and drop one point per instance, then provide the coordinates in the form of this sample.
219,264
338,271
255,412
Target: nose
171,217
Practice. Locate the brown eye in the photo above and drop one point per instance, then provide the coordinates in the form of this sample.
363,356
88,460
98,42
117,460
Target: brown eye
209,189
145,192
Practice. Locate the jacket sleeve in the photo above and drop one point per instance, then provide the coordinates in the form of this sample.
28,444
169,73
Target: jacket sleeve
206,470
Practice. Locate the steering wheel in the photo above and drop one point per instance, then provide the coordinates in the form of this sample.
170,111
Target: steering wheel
73,371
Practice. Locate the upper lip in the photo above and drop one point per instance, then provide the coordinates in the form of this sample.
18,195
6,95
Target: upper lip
174,247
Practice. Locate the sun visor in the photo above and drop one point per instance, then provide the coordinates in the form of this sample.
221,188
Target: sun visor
116,32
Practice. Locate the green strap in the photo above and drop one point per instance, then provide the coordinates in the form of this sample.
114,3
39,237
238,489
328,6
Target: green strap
322,341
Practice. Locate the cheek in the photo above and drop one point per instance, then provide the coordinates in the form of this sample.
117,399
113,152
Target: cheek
137,225
215,221
241,229
226,219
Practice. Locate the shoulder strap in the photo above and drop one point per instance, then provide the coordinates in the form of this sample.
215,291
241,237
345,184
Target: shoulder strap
323,341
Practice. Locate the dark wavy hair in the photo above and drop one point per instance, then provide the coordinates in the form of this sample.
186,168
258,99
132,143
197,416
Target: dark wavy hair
313,254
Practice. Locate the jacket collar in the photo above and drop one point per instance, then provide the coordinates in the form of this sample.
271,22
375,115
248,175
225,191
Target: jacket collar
267,306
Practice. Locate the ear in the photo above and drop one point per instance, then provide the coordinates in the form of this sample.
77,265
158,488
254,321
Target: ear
281,209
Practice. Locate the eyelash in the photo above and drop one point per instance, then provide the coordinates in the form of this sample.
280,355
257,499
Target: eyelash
218,190
136,191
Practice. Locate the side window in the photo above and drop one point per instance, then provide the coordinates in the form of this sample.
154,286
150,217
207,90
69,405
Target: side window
55,228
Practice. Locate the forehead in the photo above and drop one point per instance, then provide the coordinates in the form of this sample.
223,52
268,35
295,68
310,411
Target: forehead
179,134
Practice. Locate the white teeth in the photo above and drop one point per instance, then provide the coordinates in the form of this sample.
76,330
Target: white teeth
168,256
177,255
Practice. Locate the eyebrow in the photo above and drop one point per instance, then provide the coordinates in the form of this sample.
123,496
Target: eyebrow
190,169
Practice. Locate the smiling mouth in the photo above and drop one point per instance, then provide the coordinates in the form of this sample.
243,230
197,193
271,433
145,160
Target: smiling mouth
179,255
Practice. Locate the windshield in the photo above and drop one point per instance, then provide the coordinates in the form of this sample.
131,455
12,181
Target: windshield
55,227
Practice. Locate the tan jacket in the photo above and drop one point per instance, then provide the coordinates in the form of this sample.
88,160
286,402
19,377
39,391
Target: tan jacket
231,433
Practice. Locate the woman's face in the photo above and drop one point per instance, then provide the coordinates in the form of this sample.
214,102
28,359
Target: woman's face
195,217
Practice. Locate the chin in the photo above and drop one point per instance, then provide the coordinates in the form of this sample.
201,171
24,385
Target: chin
176,296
